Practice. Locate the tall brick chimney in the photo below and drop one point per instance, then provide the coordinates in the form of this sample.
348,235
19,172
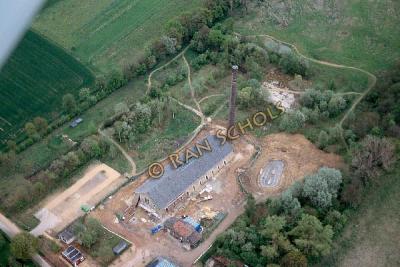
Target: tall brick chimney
232,102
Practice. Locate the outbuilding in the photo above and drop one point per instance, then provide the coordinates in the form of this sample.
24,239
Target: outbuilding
76,122
121,247
66,236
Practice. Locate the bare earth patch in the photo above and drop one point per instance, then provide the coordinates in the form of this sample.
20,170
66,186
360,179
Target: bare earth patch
226,197
61,210
299,156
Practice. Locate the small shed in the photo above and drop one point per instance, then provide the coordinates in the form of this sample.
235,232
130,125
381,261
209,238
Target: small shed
121,247
76,122
66,236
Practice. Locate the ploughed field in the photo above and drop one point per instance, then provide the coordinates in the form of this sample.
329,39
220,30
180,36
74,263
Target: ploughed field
108,33
33,81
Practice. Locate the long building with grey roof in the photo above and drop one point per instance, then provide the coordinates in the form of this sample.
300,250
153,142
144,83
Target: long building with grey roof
161,195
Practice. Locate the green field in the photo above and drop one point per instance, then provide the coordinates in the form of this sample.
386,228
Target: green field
34,80
363,34
108,33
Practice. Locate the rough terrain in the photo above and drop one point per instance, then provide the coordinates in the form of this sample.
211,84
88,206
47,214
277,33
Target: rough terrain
300,158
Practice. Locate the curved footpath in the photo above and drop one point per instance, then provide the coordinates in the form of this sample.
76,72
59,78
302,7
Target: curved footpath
120,148
10,229
371,77
163,66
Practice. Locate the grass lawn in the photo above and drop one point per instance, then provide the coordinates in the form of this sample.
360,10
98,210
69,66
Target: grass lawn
345,80
33,81
106,242
211,105
371,237
108,33
363,34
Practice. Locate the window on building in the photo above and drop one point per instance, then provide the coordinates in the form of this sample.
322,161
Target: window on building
206,177
224,162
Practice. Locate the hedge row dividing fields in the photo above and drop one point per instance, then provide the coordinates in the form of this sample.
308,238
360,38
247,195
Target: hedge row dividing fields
34,80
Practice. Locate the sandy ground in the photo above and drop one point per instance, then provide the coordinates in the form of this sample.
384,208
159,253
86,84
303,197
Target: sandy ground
227,197
300,158
59,211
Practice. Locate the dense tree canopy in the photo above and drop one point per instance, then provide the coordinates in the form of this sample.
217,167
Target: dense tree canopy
69,103
292,121
311,237
321,188
24,246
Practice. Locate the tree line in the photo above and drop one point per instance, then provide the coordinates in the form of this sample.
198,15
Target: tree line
291,230
58,171
177,33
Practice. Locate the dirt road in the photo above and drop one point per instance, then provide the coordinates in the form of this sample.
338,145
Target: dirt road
10,229
190,84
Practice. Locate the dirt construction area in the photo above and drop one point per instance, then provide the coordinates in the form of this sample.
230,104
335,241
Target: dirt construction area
222,194
62,209
283,159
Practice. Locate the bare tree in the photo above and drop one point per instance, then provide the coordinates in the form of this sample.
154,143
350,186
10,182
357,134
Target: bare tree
374,155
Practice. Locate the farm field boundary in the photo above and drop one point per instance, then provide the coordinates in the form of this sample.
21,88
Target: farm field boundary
34,80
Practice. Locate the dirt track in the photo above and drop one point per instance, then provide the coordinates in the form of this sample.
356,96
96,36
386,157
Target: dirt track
372,78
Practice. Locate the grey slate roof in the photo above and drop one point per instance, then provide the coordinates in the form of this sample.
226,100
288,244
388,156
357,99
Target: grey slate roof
164,190
66,235
118,249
